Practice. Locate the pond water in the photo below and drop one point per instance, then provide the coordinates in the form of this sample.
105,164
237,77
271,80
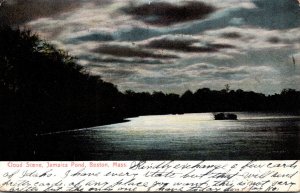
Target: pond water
179,137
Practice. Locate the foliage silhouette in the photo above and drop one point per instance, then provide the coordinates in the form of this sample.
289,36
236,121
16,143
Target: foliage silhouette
43,89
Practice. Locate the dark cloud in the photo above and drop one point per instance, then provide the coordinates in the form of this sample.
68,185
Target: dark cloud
185,45
220,46
17,12
232,35
118,60
123,51
180,45
163,13
100,37
274,40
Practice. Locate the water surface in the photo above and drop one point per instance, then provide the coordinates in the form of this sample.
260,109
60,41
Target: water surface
180,137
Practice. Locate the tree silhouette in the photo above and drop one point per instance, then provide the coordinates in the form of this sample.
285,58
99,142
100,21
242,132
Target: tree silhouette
43,89
227,87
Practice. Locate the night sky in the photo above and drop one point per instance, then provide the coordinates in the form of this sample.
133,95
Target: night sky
173,45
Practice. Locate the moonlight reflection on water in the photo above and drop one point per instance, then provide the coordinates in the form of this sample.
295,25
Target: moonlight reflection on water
182,137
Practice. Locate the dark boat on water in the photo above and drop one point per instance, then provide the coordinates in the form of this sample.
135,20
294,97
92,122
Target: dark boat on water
225,116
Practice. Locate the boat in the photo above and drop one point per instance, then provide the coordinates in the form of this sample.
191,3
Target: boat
225,116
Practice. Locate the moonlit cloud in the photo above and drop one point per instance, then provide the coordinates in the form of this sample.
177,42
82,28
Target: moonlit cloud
174,45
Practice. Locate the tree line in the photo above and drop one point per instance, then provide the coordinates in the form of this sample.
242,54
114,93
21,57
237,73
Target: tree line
43,89
206,100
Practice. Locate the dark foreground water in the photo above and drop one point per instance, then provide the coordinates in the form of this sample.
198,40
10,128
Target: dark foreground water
178,137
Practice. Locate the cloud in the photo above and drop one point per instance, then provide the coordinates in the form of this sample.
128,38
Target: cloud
164,13
118,73
249,38
220,46
179,45
124,51
231,35
134,33
99,60
248,44
280,14
101,37
112,74
206,70
185,45
16,12
274,39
